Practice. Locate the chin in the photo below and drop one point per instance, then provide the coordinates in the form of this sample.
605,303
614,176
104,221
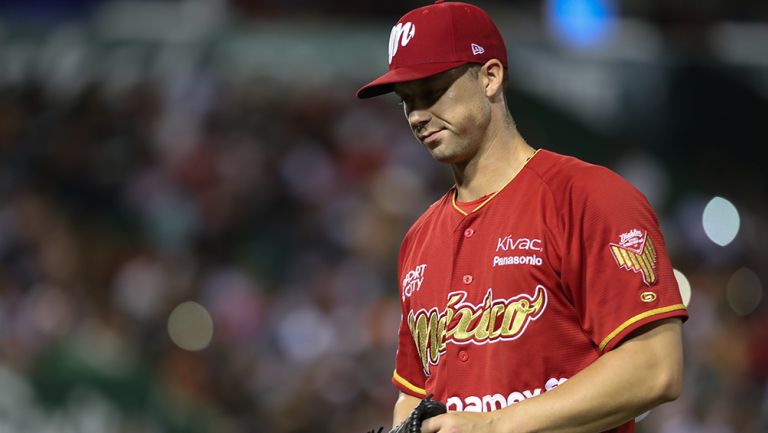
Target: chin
448,152
447,158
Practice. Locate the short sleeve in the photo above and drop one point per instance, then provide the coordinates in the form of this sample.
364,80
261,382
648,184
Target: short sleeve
616,269
408,376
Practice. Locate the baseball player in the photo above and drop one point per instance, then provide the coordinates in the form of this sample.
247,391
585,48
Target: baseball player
537,293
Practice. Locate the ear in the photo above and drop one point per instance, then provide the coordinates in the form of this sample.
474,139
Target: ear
492,73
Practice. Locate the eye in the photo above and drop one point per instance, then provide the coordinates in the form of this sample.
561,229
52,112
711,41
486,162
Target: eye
430,96
405,101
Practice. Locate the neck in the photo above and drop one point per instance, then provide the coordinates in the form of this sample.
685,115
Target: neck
500,157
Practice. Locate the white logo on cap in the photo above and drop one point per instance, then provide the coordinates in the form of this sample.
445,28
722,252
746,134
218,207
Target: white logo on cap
477,49
400,36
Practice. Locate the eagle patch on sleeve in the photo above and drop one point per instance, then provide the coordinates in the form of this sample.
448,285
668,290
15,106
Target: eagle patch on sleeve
635,253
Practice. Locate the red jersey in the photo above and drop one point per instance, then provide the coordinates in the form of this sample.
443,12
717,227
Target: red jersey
509,299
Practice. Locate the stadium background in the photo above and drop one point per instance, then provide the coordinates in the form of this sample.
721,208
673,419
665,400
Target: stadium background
199,222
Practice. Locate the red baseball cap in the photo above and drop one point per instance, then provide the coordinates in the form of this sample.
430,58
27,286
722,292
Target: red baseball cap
434,39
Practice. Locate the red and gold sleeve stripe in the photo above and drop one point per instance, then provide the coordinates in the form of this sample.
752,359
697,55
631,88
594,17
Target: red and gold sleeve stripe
644,315
408,385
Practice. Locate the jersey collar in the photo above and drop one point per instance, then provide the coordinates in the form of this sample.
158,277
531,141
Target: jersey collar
490,197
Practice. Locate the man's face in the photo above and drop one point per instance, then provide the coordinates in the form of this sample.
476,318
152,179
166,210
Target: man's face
447,112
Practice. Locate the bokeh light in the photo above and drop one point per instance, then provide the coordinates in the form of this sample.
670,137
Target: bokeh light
684,285
581,23
744,291
721,221
305,334
190,326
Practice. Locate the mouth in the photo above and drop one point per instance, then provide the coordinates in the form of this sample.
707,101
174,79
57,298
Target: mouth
429,137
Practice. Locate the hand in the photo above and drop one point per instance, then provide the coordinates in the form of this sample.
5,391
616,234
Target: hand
459,422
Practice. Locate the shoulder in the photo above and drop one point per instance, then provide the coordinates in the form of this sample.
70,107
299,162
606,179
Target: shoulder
570,179
429,217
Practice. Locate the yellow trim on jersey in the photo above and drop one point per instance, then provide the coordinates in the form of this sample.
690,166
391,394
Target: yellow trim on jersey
461,211
638,318
456,191
407,384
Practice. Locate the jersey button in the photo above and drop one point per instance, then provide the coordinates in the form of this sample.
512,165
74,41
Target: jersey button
463,355
467,279
469,232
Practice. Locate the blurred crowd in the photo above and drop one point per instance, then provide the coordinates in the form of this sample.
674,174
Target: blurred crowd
279,208
280,212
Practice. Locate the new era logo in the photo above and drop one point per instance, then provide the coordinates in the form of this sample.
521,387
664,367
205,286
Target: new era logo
477,49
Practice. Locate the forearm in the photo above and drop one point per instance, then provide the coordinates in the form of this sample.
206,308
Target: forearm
640,374
403,407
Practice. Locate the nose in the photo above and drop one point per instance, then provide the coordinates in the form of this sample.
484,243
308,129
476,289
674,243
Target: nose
418,119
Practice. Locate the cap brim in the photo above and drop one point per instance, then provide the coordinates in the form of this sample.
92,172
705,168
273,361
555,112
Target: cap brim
386,82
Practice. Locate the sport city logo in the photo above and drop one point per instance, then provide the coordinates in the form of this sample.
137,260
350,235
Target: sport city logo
462,322
400,36
635,252
413,281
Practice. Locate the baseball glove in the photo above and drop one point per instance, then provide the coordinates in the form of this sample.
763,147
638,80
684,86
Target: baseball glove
427,408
